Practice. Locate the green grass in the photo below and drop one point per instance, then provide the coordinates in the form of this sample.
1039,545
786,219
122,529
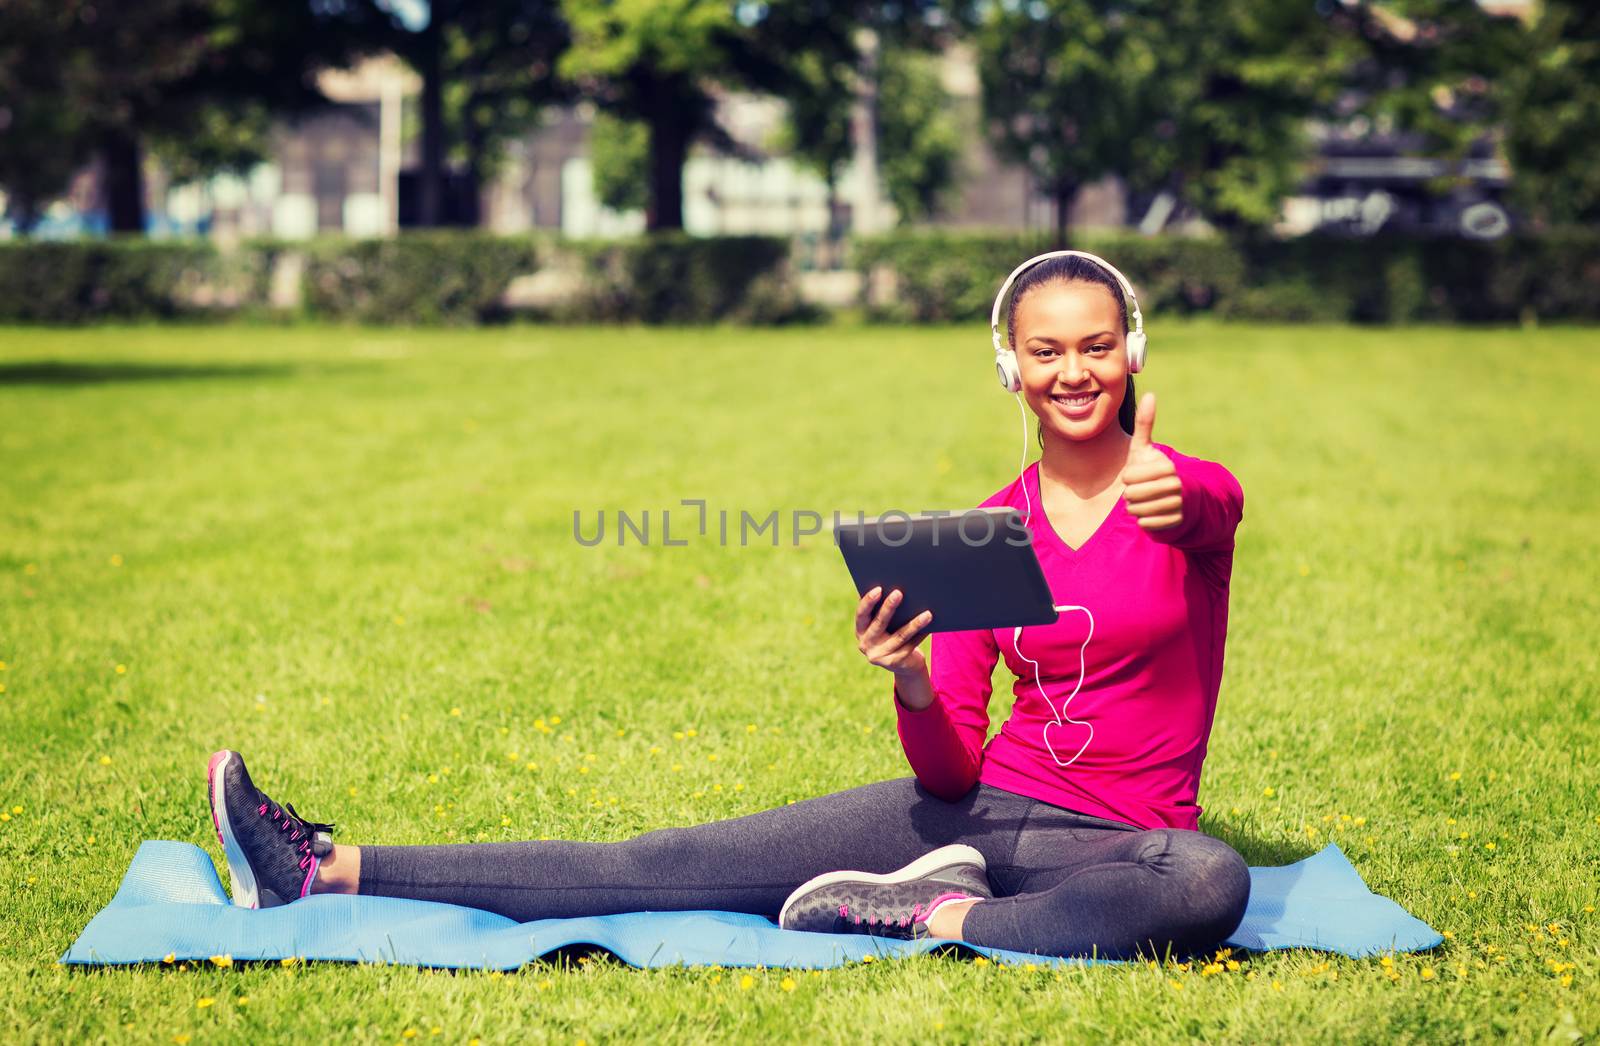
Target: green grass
316,545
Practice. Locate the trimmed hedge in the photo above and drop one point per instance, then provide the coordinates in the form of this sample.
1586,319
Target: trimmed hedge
948,277
85,281
433,277
672,277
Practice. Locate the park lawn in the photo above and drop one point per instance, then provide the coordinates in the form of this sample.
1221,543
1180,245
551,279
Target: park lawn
350,554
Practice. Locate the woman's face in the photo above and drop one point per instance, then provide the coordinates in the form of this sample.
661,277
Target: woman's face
1073,356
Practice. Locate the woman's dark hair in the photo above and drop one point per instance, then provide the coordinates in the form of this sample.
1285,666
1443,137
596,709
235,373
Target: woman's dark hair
1073,269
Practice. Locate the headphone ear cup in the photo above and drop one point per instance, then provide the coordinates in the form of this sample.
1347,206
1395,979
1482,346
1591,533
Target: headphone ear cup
1005,367
1136,351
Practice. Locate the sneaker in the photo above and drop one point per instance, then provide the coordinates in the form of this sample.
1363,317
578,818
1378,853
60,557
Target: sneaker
273,853
896,904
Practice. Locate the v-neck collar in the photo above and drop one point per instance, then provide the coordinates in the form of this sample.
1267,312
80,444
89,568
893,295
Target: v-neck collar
1049,530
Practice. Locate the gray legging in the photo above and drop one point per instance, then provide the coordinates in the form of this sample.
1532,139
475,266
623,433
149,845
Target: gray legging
1065,883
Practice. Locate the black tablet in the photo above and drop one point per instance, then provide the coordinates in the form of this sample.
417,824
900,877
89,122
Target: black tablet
973,569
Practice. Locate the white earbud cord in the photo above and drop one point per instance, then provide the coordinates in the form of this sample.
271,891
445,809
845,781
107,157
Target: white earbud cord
1059,718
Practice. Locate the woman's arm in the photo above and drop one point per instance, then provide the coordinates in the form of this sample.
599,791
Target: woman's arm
943,711
1213,505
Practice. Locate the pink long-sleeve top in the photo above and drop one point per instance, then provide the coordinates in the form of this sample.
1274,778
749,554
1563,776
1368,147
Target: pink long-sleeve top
1130,675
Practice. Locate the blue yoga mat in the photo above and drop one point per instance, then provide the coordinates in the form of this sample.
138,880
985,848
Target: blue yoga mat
172,903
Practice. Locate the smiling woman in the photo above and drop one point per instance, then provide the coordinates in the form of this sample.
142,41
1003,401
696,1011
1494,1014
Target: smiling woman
1065,835
1048,319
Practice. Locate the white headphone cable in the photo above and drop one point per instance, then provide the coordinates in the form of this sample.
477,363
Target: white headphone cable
1060,718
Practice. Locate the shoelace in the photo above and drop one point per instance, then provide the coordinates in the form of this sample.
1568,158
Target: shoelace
315,839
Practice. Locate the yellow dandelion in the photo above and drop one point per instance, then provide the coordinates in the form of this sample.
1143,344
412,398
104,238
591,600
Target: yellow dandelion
787,984
1233,965
583,769
455,711
531,766
122,670
1358,822
90,840
1210,969
711,758
4,817
433,779
222,961
409,1033
170,958
182,1038
746,983
115,560
678,735
243,1000
1427,973
1387,962
204,1002
692,732
554,720
1269,792
749,728
1455,775
1488,846
1461,970
505,822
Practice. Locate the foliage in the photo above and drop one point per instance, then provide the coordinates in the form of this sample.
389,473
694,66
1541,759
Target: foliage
673,278
98,280
619,158
488,69
189,78
1203,98
433,277
919,144
946,277
1552,132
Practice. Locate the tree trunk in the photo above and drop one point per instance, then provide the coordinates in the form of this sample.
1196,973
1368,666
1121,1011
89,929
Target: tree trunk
121,161
669,148
430,196
1065,194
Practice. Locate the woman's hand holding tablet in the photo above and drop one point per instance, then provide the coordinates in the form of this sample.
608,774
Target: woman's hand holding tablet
896,651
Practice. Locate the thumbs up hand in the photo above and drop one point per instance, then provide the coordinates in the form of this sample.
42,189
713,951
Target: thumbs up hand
1153,493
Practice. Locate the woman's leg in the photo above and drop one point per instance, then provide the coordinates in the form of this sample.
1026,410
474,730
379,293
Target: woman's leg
747,864
1121,893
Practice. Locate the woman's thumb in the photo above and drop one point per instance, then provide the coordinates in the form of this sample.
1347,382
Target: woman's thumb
1144,420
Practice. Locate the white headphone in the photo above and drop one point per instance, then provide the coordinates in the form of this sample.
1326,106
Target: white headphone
1005,359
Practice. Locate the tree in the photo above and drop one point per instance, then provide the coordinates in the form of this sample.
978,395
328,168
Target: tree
199,74
1207,99
1435,69
1552,133
42,137
619,156
487,68
663,63
919,145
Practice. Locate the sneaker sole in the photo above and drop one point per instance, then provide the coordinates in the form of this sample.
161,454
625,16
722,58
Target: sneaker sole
245,892
928,863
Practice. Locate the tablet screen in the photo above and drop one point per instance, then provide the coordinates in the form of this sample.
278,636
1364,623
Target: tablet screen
973,569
